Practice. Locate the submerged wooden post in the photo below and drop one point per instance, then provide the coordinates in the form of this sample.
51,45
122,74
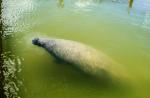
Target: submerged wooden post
60,3
130,3
2,95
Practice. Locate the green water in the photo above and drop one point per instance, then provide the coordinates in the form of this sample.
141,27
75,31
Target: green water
121,32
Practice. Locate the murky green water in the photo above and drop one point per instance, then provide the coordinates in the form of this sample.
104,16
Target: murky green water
110,26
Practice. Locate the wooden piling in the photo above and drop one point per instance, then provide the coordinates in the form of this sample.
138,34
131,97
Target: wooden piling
2,95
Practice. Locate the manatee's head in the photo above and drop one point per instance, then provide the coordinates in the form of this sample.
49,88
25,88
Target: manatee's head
39,42
36,41
44,42
47,43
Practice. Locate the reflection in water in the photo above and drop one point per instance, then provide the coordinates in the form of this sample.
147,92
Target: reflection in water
83,3
86,5
14,11
60,3
146,22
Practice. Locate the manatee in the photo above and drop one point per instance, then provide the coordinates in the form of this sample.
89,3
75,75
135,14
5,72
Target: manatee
84,57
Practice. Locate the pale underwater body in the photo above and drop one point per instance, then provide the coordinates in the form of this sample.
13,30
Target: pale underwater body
84,57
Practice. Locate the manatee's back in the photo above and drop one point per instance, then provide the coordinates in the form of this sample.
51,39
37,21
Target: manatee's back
76,53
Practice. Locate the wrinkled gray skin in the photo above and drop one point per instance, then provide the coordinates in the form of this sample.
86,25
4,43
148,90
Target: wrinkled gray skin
82,56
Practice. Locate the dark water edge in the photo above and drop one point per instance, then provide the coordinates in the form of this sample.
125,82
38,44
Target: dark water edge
2,95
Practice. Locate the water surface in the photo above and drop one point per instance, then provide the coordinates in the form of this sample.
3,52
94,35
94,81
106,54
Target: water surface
111,26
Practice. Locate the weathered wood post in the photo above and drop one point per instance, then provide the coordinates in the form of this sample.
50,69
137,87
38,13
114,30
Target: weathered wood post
130,3
2,95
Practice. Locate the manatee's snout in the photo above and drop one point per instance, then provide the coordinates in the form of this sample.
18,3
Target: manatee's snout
36,41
